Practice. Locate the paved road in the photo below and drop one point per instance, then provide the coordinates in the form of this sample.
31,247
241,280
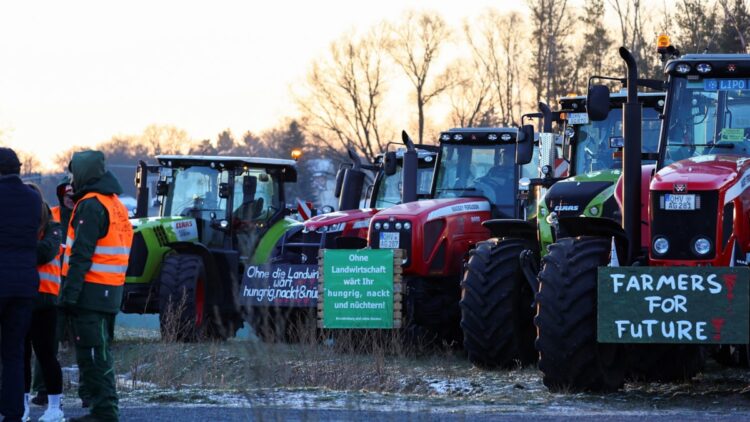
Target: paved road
183,413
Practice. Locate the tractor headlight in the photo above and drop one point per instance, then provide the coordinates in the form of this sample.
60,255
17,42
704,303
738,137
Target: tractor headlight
398,226
377,226
407,225
682,68
661,245
386,226
702,246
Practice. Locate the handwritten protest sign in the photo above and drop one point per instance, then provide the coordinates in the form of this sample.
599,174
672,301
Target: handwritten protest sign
280,285
673,305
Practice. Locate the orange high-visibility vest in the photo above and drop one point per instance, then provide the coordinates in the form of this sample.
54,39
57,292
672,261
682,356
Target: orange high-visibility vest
110,259
49,273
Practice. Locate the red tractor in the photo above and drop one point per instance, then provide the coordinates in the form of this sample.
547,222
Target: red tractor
688,214
477,178
399,176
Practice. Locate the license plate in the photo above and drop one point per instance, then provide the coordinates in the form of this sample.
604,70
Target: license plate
679,202
388,240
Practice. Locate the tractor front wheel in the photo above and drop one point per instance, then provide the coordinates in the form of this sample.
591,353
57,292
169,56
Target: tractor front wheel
183,313
570,358
496,313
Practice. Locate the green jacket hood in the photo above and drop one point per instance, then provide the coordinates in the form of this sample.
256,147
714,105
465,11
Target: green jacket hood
60,189
90,175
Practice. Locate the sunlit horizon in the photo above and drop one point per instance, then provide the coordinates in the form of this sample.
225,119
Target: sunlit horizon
78,73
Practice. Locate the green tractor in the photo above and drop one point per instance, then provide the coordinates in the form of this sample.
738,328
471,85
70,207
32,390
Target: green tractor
218,215
501,274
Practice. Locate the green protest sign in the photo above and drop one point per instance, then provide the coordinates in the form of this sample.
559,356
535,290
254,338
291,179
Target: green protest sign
673,305
358,288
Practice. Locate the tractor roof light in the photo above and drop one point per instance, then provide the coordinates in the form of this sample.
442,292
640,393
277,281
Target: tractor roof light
703,67
445,137
492,137
663,42
407,226
506,137
296,154
458,137
682,68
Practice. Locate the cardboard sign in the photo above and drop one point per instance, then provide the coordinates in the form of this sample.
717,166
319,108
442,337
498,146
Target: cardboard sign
280,285
673,305
358,288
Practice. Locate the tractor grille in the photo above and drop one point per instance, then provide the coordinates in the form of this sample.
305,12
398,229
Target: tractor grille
161,235
404,239
682,228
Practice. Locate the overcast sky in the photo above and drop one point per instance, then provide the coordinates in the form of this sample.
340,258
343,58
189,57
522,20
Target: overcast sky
79,72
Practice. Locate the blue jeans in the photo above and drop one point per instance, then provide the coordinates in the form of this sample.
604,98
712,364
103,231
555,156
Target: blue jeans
15,319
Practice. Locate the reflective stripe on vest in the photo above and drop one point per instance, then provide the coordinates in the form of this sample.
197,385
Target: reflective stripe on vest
49,277
110,259
49,273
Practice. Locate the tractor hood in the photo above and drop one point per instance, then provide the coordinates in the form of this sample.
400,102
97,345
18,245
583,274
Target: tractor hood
432,209
706,172
579,194
340,217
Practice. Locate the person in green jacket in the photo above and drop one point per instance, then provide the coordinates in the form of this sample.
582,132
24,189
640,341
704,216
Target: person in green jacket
92,287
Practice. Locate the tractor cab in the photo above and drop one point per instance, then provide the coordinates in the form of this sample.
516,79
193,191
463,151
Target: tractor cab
596,145
233,200
709,110
480,162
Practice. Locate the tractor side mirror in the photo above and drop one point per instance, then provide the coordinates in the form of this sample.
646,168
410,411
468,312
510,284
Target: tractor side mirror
224,190
390,163
162,187
525,145
597,102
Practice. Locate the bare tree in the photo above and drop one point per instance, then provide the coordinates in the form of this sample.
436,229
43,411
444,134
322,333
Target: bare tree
696,26
594,58
633,22
165,139
736,25
498,52
552,25
416,44
344,93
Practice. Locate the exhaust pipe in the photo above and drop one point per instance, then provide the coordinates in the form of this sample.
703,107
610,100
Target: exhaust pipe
631,161
409,170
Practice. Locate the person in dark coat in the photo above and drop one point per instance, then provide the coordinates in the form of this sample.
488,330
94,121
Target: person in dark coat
21,214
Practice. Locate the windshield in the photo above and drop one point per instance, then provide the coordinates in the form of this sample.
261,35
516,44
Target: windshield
389,192
478,170
711,116
194,190
592,140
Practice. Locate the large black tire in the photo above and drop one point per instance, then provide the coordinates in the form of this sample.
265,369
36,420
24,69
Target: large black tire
432,319
496,314
665,362
183,314
570,357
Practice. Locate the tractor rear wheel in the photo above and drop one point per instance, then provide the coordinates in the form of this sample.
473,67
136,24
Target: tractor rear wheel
569,356
183,314
496,314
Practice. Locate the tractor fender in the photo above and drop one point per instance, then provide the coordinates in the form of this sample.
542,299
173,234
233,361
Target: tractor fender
511,228
594,226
